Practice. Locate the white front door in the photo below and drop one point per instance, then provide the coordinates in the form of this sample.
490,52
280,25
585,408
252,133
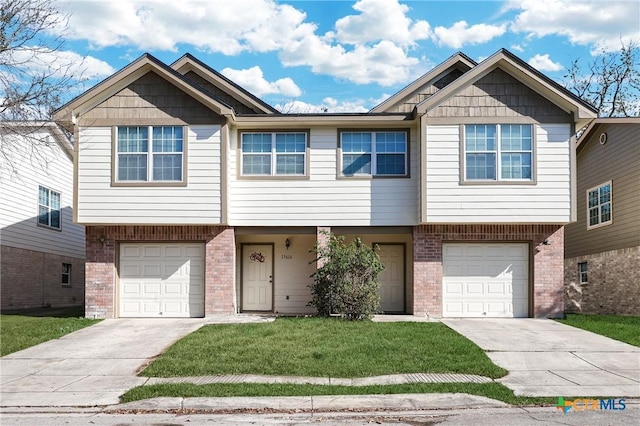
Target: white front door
485,280
257,277
392,278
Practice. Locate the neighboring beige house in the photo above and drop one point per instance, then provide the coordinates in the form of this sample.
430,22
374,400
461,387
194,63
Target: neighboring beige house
602,254
198,198
42,258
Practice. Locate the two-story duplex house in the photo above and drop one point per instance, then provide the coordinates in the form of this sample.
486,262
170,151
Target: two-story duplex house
602,254
199,198
42,257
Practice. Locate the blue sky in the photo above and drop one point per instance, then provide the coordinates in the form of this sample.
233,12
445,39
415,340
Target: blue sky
345,56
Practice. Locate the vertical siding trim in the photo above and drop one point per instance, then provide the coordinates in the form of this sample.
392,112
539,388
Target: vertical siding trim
224,141
573,165
422,159
76,161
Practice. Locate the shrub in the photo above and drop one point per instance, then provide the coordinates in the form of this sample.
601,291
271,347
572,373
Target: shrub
346,281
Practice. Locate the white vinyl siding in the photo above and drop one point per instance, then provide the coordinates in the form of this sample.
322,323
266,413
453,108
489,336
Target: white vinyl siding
197,203
324,199
545,200
19,200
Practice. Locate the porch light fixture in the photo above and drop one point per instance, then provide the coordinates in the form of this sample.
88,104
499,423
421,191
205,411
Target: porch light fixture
287,243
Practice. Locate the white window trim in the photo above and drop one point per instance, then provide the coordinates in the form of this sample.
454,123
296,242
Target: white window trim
498,151
68,274
49,209
581,273
374,154
600,224
150,153
273,155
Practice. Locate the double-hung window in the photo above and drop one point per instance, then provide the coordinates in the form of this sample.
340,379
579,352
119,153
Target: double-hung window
583,272
48,207
374,153
599,205
150,153
274,153
66,274
498,152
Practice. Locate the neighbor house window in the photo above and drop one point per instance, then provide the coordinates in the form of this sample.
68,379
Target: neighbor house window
583,273
66,274
150,153
374,153
274,154
498,152
599,205
48,207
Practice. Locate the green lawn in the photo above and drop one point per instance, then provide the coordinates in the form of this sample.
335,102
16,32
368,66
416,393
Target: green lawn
323,348
490,390
623,328
22,329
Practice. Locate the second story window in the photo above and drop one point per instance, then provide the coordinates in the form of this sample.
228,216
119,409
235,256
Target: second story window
48,208
374,153
150,153
599,205
274,154
498,152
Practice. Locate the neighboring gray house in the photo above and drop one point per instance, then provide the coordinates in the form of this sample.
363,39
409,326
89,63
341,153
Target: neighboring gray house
43,251
199,199
602,249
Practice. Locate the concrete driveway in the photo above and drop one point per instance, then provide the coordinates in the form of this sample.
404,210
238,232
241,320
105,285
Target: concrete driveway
547,358
92,366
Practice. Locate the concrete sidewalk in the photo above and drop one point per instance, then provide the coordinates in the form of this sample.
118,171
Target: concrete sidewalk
547,358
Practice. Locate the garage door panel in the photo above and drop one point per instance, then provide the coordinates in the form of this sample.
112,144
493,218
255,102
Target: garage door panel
161,280
485,279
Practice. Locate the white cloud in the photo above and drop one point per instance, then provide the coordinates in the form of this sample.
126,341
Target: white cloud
381,20
517,47
253,80
589,23
328,105
62,63
226,27
544,63
372,47
460,34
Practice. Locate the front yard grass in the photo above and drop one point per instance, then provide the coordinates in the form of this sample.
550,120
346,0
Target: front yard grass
619,327
320,347
490,390
22,329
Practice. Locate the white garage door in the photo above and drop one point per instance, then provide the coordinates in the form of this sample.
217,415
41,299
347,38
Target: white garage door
485,280
162,280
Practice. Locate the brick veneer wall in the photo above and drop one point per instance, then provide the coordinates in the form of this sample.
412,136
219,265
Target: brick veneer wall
548,262
613,283
102,244
33,279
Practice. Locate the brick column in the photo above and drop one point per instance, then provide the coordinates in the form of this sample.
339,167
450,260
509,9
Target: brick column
99,273
548,274
322,237
427,273
220,273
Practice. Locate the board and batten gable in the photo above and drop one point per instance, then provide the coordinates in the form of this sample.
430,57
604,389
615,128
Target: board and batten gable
51,168
617,161
323,197
150,100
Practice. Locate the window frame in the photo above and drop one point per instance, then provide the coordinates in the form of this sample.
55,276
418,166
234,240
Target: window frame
150,153
498,151
599,205
66,274
273,154
50,209
373,153
583,275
